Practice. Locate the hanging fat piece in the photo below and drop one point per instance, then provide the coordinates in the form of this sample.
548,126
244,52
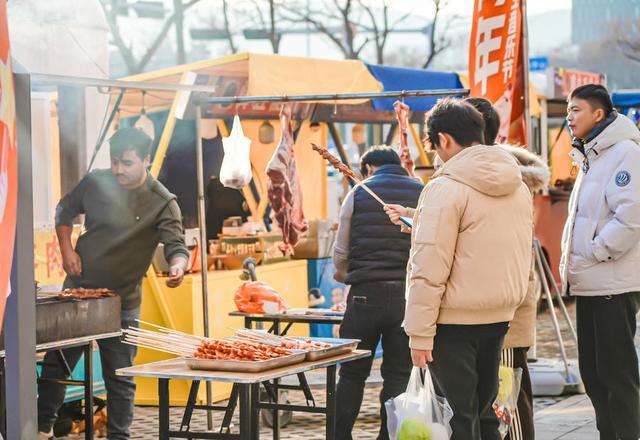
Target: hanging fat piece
235,171
402,116
284,189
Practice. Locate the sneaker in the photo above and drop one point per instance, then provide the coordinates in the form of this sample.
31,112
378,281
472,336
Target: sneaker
46,435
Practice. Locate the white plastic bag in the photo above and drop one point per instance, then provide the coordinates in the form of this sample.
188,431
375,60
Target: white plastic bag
236,165
507,400
419,414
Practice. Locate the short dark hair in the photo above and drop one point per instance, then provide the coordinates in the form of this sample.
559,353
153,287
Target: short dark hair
456,118
378,156
490,116
130,138
596,95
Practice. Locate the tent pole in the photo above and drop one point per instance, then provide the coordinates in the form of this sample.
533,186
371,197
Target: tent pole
337,96
20,313
202,225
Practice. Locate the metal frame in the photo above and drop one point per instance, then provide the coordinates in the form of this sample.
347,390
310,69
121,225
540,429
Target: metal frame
337,96
86,382
20,313
250,406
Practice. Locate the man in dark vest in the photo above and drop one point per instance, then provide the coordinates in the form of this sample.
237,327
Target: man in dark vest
371,256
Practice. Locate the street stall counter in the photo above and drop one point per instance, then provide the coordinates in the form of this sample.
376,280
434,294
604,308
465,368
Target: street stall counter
181,309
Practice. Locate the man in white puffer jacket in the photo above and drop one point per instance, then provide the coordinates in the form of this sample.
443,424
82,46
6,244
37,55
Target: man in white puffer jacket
600,262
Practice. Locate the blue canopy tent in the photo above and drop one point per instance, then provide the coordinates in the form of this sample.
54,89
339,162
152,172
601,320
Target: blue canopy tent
402,78
628,102
626,98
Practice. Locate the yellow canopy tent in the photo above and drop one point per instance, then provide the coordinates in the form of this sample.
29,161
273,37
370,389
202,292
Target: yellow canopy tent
249,74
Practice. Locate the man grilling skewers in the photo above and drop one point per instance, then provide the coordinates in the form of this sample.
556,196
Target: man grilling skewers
371,255
127,213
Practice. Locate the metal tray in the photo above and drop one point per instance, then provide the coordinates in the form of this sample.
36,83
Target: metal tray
339,346
244,366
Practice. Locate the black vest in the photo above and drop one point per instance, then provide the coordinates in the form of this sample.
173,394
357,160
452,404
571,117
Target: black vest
378,251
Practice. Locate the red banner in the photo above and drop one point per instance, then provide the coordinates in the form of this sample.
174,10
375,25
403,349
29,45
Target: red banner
565,80
496,63
8,160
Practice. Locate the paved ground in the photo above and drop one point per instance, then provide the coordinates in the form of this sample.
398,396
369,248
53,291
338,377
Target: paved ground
570,419
557,418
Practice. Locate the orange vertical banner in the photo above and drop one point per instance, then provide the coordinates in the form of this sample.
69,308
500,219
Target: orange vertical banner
496,63
8,161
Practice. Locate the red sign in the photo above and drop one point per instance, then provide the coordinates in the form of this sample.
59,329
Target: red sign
496,68
8,161
565,80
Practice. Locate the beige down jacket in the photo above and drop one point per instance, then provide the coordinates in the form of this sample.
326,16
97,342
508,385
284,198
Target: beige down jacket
522,330
471,245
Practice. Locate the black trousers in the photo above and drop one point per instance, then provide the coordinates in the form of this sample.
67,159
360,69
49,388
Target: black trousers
466,360
522,426
609,363
375,311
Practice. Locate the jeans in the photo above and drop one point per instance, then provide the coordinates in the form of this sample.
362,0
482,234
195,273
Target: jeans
466,360
120,390
375,311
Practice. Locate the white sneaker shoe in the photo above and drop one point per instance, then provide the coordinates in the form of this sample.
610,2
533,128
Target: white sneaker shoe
46,435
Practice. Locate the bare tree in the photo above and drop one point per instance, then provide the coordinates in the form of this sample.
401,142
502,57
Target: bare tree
627,37
135,63
379,26
334,19
405,56
227,26
437,42
178,8
264,15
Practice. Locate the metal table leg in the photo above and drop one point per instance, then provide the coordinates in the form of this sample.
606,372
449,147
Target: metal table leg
255,411
231,408
276,413
188,410
88,391
245,411
331,403
163,409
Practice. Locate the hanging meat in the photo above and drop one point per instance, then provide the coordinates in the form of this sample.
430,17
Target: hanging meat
284,189
402,116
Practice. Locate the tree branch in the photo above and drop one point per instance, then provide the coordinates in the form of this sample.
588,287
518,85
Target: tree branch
227,26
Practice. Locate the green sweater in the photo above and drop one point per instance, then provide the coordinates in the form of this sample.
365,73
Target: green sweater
122,230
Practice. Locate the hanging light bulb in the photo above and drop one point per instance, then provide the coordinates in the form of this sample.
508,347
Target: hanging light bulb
144,123
266,133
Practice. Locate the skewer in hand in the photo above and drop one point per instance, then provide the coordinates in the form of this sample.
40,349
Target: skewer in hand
337,164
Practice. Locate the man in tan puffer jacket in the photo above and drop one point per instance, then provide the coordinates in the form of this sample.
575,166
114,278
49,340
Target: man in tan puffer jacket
521,334
469,266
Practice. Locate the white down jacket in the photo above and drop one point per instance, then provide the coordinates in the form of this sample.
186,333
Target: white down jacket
601,239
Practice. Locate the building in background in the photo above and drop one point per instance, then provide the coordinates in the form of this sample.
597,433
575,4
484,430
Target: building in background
592,20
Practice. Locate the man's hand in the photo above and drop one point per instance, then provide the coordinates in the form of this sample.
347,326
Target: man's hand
71,262
420,358
176,271
395,212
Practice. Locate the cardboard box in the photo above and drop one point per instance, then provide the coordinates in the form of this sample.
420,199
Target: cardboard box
318,242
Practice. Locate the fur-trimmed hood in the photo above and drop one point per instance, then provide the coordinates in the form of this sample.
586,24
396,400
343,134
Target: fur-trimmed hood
535,173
